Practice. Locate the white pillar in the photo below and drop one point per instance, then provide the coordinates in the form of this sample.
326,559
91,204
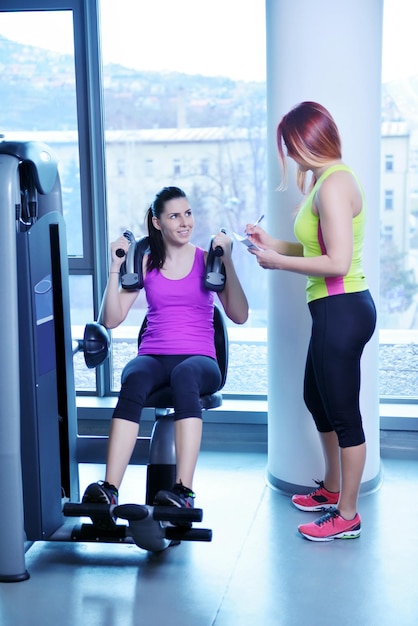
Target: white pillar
329,52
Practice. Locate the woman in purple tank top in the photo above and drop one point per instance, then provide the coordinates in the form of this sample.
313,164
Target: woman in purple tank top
177,347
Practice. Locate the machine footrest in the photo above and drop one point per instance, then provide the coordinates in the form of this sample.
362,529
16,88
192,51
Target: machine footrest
193,534
177,514
146,524
133,512
89,532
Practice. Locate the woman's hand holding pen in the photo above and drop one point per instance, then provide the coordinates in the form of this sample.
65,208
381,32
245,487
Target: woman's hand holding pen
267,257
258,236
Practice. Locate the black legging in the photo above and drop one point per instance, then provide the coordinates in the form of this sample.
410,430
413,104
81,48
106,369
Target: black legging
188,375
341,327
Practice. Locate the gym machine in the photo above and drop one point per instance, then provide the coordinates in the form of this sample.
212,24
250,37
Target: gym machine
147,523
37,396
38,417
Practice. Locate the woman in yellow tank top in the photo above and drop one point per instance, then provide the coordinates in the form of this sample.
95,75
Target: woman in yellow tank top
329,228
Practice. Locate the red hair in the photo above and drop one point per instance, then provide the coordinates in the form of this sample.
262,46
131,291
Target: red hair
309,133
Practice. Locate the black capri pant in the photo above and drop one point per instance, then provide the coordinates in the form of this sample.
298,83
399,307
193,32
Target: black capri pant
341,327
188,375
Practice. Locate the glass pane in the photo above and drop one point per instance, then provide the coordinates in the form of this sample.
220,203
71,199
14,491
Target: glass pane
398,315
81,299
186,116
37,91
38,94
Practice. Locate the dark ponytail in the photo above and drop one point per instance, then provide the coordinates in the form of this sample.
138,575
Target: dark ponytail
156,257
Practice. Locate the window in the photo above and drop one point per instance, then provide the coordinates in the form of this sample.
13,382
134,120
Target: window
39,95
387,234
388,200
191,132
176,167
398,253
389,158
181,116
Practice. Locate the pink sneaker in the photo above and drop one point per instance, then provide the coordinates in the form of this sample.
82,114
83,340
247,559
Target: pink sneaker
332,526
319,500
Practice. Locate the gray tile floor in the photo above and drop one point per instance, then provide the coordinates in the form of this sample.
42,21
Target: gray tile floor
257,571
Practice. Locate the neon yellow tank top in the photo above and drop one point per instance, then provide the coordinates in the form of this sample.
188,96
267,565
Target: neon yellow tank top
307,229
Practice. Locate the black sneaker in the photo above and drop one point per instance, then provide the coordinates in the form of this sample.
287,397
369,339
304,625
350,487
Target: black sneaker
179,495
100,493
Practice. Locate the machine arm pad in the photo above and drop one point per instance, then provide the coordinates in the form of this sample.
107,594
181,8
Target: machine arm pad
131,269
131,273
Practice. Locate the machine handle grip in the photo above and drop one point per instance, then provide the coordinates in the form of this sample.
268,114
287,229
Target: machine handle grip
218,251
120,252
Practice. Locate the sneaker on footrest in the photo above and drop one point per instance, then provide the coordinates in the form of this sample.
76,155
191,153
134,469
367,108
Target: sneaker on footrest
179,495
318,500
101,493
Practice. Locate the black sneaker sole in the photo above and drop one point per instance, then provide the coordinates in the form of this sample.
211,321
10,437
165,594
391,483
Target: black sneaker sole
102,521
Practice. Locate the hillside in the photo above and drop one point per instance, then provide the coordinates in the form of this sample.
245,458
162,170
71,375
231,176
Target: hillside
42,83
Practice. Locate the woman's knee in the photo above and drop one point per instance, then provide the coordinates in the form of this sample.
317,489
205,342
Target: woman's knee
128,409
137,383
185,374
351,436
202,374
184,414
136,369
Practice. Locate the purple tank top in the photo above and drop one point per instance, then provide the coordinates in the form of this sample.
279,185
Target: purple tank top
180,313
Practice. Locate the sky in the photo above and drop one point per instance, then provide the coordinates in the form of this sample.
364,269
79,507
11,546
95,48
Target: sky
400,41
193,39
184,36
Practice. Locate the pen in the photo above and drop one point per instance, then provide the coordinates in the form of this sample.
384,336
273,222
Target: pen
257,222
